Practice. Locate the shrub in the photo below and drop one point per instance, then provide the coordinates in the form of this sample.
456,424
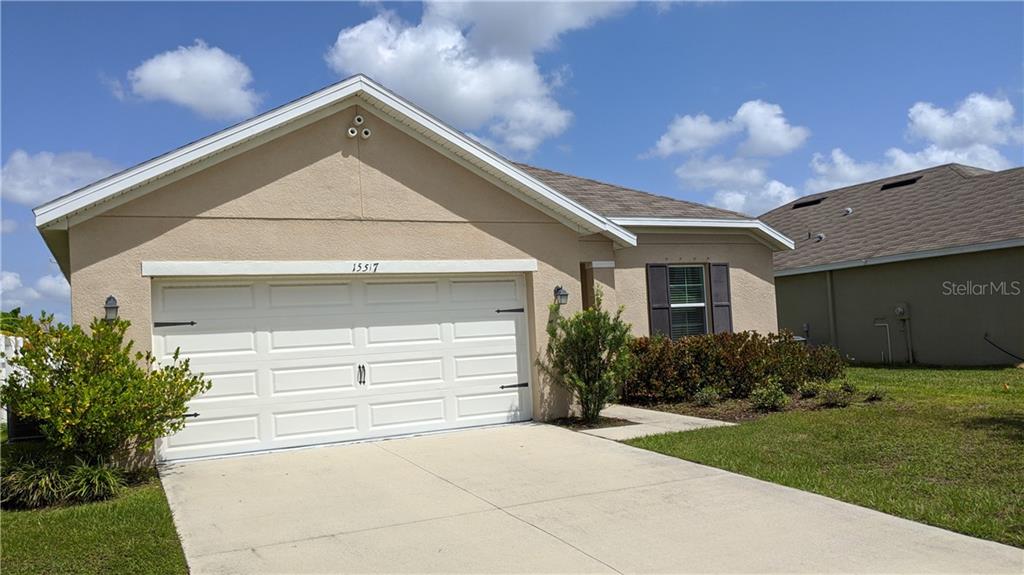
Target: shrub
93,482
46,480
833,397
706,397
91,396
809,389
848,387
769,397
588,354
733,364
875,394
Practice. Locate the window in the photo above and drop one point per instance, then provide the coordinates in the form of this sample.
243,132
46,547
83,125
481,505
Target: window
687,300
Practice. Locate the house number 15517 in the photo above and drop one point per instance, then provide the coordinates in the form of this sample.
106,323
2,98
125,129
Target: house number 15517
365,267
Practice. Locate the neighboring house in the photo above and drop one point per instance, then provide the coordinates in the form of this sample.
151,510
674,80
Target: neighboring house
925,267
355,268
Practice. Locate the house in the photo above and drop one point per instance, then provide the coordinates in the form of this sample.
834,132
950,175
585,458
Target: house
925,267
347,266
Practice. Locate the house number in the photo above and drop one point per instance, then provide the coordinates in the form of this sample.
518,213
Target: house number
365,267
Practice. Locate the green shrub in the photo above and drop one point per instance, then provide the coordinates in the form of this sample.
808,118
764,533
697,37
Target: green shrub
733,364
588,354
93,482
809,389
769,397
833,397
848,387
91,395
706,397
875,394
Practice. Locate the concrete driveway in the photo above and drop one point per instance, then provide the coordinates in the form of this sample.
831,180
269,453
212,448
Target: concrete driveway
532,498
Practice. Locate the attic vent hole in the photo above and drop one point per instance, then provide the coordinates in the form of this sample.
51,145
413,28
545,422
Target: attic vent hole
900,183
807,203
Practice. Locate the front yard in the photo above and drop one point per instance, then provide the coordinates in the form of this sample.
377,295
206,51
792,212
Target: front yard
945,447
132,533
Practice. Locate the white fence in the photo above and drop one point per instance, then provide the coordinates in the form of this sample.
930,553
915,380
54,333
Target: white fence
11,345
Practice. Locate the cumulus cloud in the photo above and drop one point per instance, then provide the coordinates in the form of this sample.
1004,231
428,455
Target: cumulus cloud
53,286
757,200
13,293
472,64
768,132
7,226
202,78
968,135
31,179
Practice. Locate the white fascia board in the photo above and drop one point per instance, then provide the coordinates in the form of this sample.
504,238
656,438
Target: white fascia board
776,238
120,183
331,267
950,251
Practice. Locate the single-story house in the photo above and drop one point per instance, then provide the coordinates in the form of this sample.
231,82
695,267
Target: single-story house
925,267
346,266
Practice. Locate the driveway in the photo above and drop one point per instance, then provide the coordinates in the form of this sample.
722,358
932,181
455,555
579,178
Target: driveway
532,498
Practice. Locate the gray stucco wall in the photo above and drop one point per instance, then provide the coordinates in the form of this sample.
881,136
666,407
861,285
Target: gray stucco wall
946,329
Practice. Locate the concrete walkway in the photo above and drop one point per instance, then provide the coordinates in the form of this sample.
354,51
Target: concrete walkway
533,499
648,422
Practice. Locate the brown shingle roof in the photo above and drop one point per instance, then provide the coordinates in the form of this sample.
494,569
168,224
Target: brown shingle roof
950,205
612,201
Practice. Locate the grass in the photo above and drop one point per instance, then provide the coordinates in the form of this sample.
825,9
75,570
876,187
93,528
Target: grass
945,447
133,533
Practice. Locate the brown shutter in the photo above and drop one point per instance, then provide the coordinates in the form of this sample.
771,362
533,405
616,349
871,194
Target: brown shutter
721,304
659,310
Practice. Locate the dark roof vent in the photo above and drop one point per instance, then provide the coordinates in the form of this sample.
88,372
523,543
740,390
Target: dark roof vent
900,183
807,203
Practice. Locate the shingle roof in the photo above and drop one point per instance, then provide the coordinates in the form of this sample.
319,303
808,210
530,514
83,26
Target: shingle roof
612,201
948,206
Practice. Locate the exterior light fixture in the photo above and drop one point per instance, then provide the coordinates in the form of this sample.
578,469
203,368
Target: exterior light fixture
561,296
110,307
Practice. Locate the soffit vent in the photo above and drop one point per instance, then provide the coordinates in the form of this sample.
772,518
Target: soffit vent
900,183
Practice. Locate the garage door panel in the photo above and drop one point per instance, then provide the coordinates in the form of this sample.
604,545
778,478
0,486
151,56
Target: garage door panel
285,370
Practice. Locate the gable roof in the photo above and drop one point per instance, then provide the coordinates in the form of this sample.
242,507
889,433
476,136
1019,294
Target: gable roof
937,211
150,175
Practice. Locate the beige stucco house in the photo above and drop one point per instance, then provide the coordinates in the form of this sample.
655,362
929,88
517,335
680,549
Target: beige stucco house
925,267
347,266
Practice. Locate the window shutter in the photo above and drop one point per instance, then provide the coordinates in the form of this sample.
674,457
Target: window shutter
659,310
721,304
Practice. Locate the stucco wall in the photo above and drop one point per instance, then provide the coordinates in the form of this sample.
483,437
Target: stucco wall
946,329
750,275
316,194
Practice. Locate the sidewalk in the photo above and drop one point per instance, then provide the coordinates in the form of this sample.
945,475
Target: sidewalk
648,422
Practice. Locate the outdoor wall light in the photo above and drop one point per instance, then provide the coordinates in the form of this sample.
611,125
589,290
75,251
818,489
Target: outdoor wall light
561,296
110,307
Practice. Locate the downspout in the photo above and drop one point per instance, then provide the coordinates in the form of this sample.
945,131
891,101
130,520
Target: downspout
833,331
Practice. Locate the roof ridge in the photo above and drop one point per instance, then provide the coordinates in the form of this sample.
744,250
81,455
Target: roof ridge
634,190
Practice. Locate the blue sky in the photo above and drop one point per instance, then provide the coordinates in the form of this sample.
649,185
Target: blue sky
744,106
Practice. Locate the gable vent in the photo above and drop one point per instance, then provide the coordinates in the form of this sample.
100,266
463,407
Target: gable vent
807,203
900,183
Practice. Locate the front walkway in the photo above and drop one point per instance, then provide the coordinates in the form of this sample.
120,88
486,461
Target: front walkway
648,422
532,498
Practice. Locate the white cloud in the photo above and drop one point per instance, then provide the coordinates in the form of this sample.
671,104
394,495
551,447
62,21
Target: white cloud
13,293
203,78
719,172
472,64
7,226
31,179
54,286
755,201
978,119
768,132
968,135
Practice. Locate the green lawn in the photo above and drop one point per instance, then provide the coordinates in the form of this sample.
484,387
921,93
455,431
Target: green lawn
130,534
945,448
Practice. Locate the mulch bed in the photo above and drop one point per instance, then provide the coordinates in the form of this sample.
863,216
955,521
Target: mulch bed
733,410
577,424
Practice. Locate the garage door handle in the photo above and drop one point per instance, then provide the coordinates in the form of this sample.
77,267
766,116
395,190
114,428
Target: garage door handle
526,384
172,323
510,310
191,415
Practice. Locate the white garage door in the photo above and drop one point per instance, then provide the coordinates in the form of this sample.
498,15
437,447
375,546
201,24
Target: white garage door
302,362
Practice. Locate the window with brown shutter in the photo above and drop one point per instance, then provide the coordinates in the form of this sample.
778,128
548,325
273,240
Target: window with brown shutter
678,296
721,299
